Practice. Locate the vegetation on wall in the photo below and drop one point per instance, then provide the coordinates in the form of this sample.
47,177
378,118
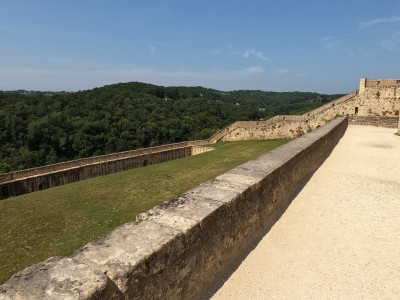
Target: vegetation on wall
39,128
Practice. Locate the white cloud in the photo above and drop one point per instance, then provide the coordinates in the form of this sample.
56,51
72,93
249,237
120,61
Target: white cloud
381,21
254,53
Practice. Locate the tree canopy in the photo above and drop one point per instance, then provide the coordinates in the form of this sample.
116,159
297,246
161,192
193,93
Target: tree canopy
39,128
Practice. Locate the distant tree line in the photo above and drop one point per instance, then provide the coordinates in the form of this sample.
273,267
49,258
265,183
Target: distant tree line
38,128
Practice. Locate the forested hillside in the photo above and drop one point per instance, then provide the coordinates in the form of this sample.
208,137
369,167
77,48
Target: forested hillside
38,128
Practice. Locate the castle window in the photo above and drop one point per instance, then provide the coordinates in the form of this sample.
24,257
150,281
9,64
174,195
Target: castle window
356,110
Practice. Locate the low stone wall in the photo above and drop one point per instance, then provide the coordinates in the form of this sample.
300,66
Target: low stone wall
177,249
286,126
63,173
380,121
95,159
200,149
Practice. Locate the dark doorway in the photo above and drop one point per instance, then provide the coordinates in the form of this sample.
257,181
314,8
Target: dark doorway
356,110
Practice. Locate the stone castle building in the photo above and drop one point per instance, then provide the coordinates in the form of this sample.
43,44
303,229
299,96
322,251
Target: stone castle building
376,102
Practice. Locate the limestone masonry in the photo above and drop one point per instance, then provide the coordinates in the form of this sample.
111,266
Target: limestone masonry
175,250
377,102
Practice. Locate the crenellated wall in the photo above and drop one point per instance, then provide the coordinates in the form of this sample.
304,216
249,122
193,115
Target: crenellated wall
177,249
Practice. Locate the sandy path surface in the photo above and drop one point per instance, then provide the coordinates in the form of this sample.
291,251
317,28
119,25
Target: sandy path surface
340,237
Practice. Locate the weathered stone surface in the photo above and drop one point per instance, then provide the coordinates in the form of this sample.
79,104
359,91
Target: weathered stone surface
376,99
238,178
177,249
59,278
13,184
122,252
380,121
214,191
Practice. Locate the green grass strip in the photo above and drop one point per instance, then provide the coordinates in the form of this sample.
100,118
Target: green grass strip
60,220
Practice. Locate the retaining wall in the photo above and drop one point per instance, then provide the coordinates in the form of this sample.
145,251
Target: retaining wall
26,181
177,249
287,126
94,159
380,121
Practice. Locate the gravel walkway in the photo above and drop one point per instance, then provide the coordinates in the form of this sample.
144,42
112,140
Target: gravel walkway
340,237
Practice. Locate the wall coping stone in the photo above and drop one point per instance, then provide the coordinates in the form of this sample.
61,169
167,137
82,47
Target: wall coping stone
56,278
176,249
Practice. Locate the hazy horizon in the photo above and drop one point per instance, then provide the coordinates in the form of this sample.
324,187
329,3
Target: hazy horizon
318,46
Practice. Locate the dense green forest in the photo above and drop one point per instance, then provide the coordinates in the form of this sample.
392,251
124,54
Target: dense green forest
39,128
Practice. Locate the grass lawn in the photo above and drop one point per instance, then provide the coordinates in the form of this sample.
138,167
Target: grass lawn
60,220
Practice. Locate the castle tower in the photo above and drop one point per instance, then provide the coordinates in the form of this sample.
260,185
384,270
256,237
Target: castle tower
363,83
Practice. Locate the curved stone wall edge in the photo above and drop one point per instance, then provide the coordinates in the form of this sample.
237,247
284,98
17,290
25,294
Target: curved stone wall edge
178,248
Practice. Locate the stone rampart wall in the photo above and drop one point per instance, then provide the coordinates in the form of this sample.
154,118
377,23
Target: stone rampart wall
370,83
92,160
287,126
39,179
377,102
177,249
379,97
200,149
380,121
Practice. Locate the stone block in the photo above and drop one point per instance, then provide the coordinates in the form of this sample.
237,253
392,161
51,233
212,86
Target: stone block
59,278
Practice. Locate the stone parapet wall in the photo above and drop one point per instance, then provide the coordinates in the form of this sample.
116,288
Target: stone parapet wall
379,97
200,149
287,126
369,83
177,249
380,121
94,159
42,178
376,102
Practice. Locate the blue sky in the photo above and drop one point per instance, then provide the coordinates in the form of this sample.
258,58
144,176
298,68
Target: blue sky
310,45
